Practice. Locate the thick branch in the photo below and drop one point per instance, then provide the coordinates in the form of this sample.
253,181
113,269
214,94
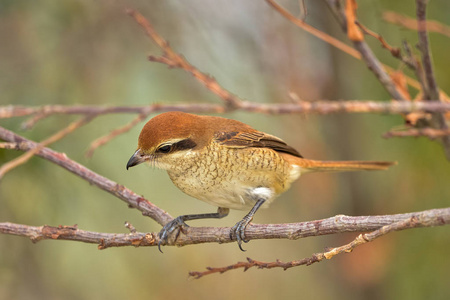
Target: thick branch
123,193
197,235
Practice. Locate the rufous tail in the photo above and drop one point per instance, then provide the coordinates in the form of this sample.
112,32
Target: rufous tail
339,166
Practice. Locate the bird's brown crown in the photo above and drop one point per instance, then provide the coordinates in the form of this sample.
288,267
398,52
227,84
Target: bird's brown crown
171,126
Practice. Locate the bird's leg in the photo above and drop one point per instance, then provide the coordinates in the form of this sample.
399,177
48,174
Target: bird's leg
238,230
179,223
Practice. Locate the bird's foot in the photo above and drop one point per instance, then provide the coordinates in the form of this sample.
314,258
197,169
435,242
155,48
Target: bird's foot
238,231
176,224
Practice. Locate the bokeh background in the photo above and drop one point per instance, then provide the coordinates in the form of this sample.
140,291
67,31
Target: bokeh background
92,53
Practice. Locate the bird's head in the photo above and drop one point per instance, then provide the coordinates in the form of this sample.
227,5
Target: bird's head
170,136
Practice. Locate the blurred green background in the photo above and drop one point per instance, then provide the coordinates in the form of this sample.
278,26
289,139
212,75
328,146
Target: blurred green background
91,52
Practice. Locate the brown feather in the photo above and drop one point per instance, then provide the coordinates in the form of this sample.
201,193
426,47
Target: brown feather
254,139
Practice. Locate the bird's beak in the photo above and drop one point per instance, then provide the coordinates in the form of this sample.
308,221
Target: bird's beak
136,159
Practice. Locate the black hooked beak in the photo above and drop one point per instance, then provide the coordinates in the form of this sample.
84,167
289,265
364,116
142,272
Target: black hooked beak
136,159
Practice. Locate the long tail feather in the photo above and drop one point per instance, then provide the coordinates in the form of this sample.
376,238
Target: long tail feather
339,166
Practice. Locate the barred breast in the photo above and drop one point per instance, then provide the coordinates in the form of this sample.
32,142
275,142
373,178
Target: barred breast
227,177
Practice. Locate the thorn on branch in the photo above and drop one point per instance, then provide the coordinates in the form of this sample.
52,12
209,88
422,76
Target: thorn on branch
130,227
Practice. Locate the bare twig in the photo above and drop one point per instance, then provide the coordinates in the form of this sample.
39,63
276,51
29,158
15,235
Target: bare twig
118,131
411,23
422,219
72,233
430,133
57,136
123,193
331,40
416,66
316,32
175,60
395,51
367,55
45,111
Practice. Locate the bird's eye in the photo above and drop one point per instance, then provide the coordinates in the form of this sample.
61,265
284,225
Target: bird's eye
165,149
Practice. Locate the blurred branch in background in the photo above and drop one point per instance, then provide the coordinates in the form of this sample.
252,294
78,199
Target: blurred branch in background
118,131
298,107
431,90
413,132
411,23
174,60
56,137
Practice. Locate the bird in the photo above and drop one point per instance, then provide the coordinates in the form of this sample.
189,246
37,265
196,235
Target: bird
226,163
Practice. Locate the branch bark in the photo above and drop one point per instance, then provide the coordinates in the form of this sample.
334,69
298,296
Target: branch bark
198,235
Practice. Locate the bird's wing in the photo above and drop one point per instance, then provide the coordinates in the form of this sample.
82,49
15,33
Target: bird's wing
254,139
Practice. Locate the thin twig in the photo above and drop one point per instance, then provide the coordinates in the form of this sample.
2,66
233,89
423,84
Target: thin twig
312,107
367,55
175,60
118,131
316,32
72,233
331,40
411,23
395,51
418,220
416,66
45,111
430,133
57,136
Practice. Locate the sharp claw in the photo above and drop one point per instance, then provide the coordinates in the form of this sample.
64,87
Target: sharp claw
159,246
238,230
167,230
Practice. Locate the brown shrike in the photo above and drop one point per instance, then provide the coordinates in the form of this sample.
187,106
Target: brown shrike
226,163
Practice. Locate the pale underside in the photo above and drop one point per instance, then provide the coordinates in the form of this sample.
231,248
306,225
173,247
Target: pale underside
230,177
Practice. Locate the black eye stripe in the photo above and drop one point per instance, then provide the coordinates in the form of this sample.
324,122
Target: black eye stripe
185,144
